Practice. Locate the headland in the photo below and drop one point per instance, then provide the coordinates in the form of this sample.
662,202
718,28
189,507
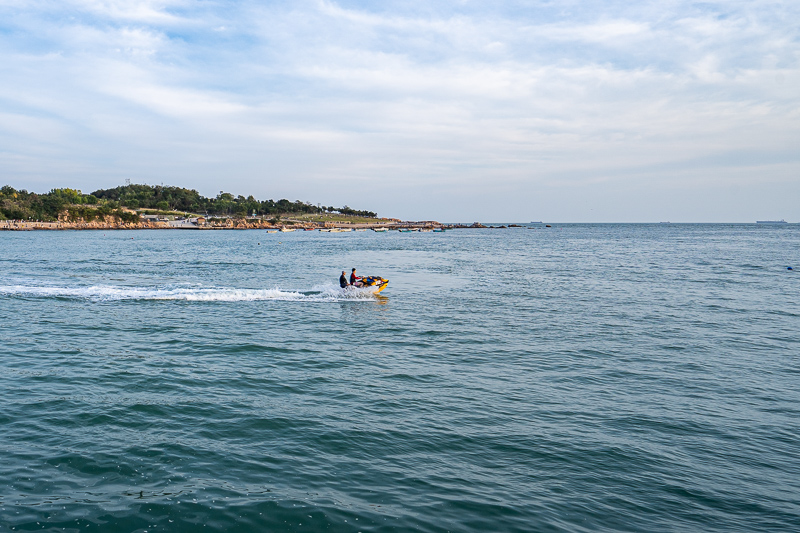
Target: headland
136,207
159,207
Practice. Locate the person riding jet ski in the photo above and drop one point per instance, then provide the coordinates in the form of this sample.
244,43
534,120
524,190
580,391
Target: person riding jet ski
355,281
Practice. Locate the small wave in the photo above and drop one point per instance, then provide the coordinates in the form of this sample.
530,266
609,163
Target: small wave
320,293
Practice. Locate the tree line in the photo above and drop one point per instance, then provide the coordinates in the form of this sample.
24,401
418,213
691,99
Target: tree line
23,205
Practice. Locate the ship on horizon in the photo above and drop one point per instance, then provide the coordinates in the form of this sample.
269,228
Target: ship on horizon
781,221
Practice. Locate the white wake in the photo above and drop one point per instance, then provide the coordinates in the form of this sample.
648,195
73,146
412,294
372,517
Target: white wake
102,293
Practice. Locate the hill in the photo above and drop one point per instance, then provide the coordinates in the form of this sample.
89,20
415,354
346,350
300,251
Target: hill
72,204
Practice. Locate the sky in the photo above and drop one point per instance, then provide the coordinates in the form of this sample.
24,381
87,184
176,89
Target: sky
460,110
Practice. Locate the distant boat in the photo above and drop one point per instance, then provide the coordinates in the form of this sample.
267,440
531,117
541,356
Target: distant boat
539,222
781,221
405,230
287,230
272,231
360,229
380,230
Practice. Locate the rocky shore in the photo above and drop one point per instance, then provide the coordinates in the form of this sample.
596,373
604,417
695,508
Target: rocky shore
112,223
8,225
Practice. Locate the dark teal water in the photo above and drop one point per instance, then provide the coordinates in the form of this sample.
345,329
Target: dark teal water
579,378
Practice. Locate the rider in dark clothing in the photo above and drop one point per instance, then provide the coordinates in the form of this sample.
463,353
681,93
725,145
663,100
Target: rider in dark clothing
343,281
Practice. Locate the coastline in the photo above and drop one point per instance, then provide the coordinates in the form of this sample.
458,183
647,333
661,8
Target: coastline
227,224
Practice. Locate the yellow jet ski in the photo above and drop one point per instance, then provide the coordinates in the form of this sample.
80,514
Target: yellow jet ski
377,283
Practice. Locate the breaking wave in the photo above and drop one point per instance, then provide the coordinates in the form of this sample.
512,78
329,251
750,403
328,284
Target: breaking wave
319,293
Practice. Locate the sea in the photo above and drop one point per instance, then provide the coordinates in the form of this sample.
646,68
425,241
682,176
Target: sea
582,377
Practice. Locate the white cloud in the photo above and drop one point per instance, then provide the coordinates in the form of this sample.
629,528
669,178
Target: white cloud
144,11
607,32
131,84
495,102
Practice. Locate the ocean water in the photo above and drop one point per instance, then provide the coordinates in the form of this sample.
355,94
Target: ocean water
576,378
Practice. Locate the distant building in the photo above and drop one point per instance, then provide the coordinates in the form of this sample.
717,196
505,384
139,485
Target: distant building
153,218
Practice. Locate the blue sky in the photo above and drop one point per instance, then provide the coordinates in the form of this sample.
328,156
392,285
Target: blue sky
451,110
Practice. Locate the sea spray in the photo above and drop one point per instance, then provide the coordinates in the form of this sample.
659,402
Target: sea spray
105,293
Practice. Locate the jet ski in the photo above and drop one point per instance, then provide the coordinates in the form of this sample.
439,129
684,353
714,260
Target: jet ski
376,283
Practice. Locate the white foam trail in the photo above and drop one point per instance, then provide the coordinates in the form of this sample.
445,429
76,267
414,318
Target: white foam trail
321,293
350,293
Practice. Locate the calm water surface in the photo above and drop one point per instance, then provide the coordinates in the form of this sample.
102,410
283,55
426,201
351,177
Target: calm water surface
577,378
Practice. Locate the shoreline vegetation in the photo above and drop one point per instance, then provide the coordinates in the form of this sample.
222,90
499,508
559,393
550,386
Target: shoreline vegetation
135,206
158,207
